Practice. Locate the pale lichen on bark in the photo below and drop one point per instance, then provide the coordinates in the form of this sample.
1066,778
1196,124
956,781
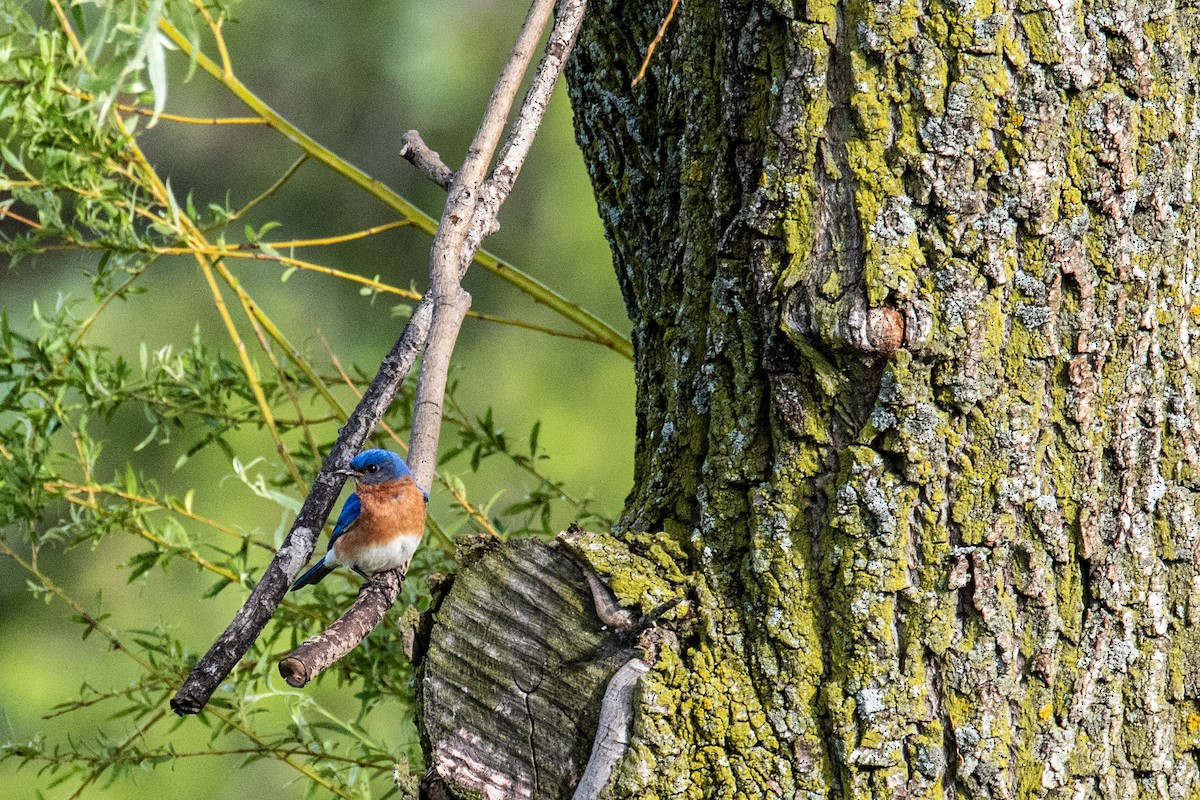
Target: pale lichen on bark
914,288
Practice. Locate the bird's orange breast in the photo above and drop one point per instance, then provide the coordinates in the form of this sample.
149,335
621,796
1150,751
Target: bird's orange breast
388,510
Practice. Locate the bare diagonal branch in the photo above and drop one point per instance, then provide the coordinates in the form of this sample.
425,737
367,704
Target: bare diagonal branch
448,258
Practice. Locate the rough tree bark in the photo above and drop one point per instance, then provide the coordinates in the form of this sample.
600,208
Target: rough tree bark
913,286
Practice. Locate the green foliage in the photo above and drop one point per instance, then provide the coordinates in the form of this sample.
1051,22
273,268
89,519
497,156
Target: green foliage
74,104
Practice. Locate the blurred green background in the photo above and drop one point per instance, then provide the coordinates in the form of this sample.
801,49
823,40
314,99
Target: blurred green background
355,76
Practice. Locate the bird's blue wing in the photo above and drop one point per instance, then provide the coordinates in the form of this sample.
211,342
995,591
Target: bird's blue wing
347,518
345,521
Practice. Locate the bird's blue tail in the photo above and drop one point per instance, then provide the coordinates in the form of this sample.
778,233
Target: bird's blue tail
314,575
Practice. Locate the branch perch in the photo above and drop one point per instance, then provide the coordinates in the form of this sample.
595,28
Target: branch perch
311,658
470,215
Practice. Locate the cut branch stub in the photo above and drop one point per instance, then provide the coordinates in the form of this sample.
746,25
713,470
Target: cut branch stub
511,686
311,658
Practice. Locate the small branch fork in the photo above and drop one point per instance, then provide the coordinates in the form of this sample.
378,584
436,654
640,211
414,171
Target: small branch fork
470,215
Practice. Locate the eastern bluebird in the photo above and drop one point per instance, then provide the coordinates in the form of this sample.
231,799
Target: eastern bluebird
381,523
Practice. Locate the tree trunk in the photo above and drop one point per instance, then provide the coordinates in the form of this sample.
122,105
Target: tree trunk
912,289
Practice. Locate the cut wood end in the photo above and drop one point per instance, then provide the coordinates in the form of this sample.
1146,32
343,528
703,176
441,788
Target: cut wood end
294,671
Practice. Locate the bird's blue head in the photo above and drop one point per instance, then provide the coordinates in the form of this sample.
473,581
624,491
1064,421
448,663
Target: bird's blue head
378,466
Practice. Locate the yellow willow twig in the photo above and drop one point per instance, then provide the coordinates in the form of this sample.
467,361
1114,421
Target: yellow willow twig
344,237
84,465
89,97
192,120
6,212
248,306
281,755
215,27
258,317
658,37
270,191
76,47
284,380
470,508
318,384
244,252
90,194
375,285
602,332
260,396
177,549
290,261
153,502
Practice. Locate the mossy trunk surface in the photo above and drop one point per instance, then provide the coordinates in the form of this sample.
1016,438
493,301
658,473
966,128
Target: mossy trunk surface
913,289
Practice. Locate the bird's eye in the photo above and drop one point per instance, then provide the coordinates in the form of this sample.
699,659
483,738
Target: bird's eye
372,468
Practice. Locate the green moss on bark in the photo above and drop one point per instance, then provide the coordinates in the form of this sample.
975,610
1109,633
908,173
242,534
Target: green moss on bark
961,561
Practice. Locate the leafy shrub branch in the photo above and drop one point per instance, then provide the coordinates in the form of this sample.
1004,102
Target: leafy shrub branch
79,86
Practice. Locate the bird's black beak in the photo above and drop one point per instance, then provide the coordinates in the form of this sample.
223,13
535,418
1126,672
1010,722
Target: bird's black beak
349,473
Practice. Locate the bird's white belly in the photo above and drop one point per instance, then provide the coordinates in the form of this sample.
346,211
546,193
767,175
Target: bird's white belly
380,557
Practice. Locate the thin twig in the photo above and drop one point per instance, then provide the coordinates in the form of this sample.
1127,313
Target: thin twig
658,37
145,112
537,98
5,212
446,259
327,240
215,27
76,47
270,190
254,311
